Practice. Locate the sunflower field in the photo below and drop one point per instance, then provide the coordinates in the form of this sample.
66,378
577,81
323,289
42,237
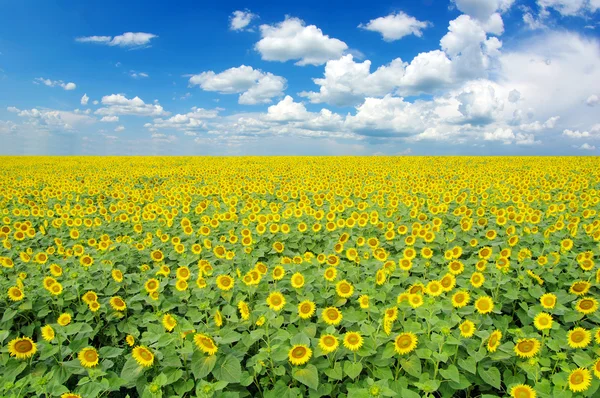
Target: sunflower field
299,276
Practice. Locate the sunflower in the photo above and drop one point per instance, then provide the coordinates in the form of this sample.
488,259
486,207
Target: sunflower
548,301
391,314
261,321
522,391
456,267
183,272
344,289
580,380
276,301
297,280
477,279
580,288
467,329
218,319
225,282
244,310
415,300
94,306
597,368
363,301
278,273
48,333
331,316
130,340
143,356
460,299
201,282
117,303
89,297
542,321
181,285
117,275
88,357
587,305
328,343
405,343
64,319
527,348
22,347
579,338
299,354
306,309
205,344
434,288
494,341
380,277
56,289
70,395
448,282
169,322
151,285
15,294
353,341
484,305
157,255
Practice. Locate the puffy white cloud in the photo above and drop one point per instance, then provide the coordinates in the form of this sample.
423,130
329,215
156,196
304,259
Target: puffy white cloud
109,119
586,147
240,19
592,100
193,120
291,39
84,99
427,72
128,39
55,83
500,134
287,110
255,86
118,129
138,75
576,134
483,9
565,7
55,119
118,104
347,82
396,26
537,126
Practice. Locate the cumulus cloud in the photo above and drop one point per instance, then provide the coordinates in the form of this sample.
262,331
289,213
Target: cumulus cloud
118,104
592,100
84,99
128,39
254,85
193,120
483,9
110,119
396,26
576,134
55,83
586,147
240,19
291,39
118,129
54,119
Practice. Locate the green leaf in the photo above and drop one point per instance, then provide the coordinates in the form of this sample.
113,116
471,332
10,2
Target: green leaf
308,376
451,373
490,376
468,364
335,372
229,370
352,369
412,366
130,372
109,352
202,365
8,315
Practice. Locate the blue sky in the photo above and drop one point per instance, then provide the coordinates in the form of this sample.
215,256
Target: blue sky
424,77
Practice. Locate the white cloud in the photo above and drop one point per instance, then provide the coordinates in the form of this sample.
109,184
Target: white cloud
576,134
286,111
347,82
118,104
293,40
54,119
396,26
255,86
118,129
500,134
55,83
128,39
483,9
110,119
537,126
586,147
85,99
240,19
565,7
193,120
138,75
592,100
532,22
